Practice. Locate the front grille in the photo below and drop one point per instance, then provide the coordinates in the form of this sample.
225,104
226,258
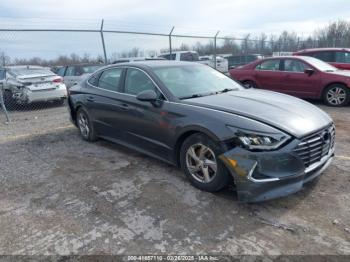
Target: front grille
312,148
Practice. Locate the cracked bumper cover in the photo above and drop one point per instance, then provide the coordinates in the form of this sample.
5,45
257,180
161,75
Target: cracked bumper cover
261,176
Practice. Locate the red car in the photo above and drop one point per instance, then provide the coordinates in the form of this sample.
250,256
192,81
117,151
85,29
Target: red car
300,76
338,57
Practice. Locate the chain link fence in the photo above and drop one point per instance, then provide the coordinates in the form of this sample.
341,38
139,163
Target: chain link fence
27,88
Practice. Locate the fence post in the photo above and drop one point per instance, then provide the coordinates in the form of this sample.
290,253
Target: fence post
170,47
216,35
103,42
2,103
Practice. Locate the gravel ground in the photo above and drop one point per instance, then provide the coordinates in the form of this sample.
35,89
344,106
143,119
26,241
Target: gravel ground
61,195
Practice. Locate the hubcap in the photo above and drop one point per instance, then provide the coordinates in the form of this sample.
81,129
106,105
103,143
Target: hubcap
83,125
248,85
201,163
336,96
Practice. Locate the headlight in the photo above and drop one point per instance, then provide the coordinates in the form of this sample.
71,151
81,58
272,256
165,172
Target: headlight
253,140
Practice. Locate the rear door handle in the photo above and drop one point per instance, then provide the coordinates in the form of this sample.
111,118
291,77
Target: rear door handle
124,106
90,99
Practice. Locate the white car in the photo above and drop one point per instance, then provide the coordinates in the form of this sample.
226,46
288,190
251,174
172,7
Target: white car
28,84
191,56
221,63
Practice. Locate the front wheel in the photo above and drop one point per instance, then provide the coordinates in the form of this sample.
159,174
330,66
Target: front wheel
9,101
336,95
86,128
199,161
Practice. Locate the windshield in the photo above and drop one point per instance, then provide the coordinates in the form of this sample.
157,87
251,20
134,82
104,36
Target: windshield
195,80
30,71
320,65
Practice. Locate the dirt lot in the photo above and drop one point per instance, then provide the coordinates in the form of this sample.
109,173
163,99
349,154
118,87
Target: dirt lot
60,195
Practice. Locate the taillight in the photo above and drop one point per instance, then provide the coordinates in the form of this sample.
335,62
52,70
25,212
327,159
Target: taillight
57,80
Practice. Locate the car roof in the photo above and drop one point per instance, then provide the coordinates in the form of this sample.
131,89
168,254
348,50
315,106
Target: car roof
180,52
24,67
84,64
155,63
322,49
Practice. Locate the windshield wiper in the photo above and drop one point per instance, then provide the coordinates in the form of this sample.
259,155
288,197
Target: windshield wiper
197,95
191,96
225,90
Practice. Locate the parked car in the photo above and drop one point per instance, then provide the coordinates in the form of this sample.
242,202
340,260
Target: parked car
338,57
221,63
191,56
135,59
28,84
240,60
300,76
195,117
72,74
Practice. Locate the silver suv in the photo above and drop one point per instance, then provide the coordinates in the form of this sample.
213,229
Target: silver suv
73,74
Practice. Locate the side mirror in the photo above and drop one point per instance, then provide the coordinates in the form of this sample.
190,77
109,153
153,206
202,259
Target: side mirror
232,67
309,71
147,96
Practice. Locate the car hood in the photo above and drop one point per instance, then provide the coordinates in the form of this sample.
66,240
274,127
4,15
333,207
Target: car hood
345,73
290,114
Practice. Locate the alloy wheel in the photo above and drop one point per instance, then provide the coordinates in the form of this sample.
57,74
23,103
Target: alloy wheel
336,95
201,163
83,125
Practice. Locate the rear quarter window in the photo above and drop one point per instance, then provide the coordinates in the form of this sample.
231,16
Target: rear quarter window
93,80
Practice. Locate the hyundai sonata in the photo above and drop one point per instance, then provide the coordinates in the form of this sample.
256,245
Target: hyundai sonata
192,116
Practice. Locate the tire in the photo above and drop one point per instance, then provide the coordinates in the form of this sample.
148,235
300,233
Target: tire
249,84
9,101
336,95
85,126
212,181
60,102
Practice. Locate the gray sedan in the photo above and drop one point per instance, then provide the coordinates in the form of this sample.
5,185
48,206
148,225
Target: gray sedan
267,144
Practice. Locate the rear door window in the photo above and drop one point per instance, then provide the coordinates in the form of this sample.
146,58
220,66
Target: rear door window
110,79
342,57
70,71
269,65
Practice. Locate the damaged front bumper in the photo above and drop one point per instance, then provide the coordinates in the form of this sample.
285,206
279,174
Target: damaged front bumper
261,176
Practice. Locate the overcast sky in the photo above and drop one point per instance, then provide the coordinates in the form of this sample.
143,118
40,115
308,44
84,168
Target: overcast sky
203,17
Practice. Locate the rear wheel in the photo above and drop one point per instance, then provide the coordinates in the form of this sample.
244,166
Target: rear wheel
199,161
249,84
336,95
85,126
